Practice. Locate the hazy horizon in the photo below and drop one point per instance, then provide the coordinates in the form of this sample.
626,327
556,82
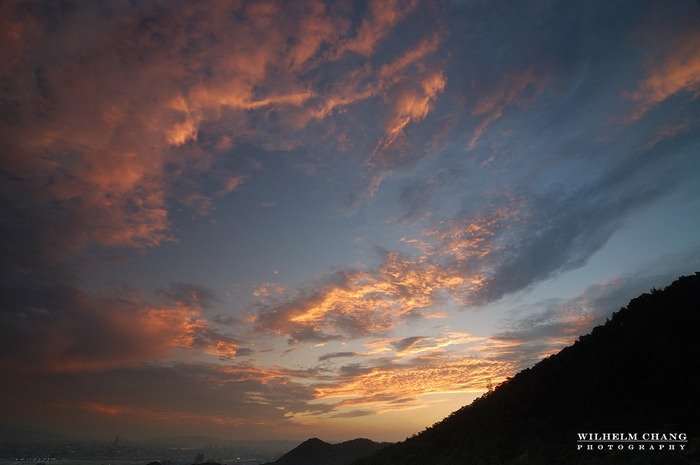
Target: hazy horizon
261,219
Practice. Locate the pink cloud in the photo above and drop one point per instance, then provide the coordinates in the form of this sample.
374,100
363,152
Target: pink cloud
97,125
382,17
678,71
410,104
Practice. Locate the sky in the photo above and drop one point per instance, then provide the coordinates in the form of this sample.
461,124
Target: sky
279,220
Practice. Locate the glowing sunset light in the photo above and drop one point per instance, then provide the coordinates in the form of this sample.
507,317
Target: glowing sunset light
280,220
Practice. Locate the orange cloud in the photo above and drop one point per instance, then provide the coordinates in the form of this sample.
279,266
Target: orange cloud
678,72
362,302
235,96
412,106
471,238
223,349
399,386
175,326
268,289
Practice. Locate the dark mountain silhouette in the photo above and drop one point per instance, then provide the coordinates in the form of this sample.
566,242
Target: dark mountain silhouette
317,452
636,373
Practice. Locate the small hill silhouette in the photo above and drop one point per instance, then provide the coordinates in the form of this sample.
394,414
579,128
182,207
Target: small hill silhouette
636,373
317,452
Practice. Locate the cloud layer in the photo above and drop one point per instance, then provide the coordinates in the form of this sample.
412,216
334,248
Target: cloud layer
416,160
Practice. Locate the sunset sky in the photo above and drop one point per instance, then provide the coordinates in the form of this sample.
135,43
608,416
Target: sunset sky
278,220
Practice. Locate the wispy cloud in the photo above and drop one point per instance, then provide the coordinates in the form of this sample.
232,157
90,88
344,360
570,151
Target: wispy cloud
413,105
513,89
381,17
398,386
678,71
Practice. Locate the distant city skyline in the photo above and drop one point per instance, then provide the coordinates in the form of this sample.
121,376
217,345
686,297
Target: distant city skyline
281,220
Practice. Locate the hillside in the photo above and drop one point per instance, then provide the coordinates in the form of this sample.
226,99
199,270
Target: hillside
317,452
637,373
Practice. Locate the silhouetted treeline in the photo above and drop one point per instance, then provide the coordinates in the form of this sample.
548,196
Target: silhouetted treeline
637,373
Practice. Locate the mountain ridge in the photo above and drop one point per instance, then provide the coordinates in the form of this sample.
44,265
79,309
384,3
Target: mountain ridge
635,373
314,451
